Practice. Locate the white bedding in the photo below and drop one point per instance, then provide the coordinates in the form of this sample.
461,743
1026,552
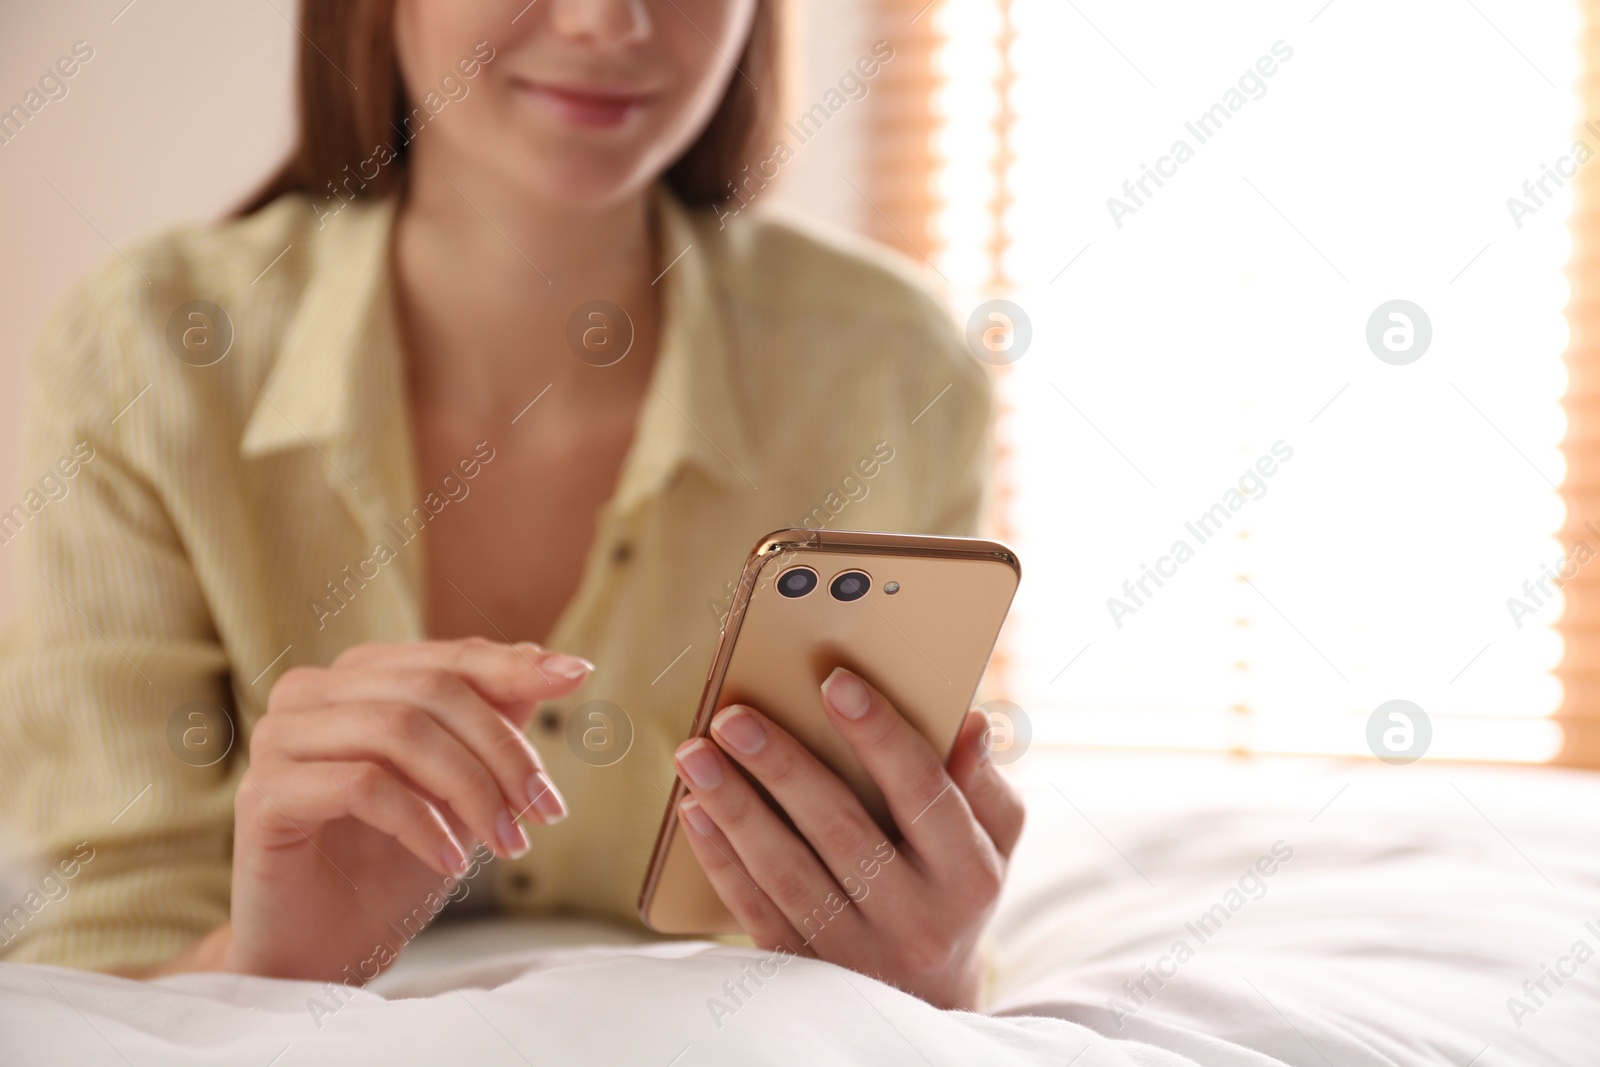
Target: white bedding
1415,904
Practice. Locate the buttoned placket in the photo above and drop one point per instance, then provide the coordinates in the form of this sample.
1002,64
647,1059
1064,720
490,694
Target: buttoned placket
598,588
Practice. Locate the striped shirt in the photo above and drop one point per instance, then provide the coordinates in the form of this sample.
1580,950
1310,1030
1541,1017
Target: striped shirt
222,488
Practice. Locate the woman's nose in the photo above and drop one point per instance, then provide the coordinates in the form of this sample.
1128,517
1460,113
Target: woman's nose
607,23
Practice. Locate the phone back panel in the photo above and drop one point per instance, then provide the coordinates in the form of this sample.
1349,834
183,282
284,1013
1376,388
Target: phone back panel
924,646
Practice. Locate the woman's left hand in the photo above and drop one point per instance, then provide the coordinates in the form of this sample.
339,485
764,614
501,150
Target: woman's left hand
908,911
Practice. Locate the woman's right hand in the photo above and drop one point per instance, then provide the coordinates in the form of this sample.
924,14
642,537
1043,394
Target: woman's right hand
368,782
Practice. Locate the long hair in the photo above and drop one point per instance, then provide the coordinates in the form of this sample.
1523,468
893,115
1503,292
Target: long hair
345,43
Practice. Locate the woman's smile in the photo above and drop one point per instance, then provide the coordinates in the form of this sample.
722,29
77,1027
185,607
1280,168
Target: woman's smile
588,107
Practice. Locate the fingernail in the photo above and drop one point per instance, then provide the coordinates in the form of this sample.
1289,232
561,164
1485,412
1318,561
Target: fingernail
545,798
701,763
566,666
697,817
513,839
455,861
847,693
742,731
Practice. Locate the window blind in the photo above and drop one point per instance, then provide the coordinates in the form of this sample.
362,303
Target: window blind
1579,669
1243,528
900,129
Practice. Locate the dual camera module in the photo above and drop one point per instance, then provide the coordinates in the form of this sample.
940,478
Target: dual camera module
846,585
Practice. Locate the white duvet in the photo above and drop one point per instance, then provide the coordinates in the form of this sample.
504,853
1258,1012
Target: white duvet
1304,915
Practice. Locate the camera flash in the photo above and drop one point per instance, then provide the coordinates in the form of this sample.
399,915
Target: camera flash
891,588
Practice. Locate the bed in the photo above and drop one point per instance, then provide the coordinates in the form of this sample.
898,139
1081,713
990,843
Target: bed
1162,910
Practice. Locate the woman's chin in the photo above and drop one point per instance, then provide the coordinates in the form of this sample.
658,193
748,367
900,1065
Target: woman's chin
584,188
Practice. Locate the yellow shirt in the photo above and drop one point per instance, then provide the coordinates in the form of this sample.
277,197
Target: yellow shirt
220,524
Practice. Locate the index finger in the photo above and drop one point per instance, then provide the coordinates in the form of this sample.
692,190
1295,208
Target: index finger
508,676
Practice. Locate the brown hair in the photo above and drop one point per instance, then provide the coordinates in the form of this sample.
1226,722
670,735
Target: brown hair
345,43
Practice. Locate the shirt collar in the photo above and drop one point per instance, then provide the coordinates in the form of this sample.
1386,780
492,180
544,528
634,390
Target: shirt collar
340,366
314,392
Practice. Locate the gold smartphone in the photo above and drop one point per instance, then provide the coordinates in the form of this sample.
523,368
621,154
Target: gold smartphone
916,616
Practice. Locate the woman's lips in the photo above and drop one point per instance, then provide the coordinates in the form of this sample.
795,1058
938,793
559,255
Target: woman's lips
590,108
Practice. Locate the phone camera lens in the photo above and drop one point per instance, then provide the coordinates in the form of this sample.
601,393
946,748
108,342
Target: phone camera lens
851,585
797,581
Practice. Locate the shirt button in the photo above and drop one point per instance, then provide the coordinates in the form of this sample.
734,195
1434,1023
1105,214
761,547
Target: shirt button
521,883
621,553
550,720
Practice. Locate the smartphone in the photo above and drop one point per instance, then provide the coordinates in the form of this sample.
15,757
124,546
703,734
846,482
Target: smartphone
916,616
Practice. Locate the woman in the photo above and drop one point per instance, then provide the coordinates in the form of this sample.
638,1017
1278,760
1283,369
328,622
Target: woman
463,424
